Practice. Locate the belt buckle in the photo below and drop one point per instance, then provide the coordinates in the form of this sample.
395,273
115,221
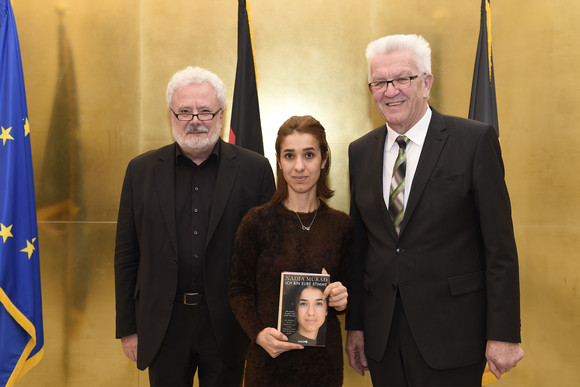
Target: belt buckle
190,299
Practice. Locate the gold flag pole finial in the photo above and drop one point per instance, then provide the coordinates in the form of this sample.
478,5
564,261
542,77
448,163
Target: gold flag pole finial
62,8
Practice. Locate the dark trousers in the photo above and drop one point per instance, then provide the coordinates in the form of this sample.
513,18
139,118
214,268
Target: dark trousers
403,364
189,346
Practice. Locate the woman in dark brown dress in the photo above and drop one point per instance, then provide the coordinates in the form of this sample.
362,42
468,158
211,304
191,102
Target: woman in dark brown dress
296,231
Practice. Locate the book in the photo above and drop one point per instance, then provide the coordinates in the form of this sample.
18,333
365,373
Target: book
302,313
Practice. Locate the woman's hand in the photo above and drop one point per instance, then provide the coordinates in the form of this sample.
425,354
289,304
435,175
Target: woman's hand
336,294
275,342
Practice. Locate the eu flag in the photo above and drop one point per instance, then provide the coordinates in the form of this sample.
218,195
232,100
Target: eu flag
21,335
245,125
483,106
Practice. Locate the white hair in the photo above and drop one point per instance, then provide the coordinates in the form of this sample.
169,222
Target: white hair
196,75
395,43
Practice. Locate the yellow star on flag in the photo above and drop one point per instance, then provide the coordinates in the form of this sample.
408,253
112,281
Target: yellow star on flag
29,249
6,135
26,127
5,232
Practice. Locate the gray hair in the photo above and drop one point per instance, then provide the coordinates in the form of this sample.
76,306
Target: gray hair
395,43
196,75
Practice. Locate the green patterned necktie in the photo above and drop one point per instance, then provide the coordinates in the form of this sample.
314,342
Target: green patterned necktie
397,191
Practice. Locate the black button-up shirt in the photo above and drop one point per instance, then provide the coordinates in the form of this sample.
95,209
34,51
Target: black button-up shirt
194,188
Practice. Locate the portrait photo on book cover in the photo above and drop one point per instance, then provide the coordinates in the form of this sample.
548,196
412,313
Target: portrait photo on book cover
303,311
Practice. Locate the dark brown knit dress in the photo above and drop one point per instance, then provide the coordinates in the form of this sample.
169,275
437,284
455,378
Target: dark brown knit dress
270,240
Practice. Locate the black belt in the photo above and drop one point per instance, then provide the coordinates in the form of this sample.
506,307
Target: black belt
191,298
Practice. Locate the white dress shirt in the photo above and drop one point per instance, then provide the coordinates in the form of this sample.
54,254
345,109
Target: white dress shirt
416,135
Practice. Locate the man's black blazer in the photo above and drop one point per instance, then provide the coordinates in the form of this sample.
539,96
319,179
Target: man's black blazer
455,261
146,246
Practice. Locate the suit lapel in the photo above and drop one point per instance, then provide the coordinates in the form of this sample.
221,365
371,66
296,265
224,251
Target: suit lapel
227,172
434,143
164,184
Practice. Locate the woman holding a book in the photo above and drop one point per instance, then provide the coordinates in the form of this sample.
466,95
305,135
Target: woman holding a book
296,231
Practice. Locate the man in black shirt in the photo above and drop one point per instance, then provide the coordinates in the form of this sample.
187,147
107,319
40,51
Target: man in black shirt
179,212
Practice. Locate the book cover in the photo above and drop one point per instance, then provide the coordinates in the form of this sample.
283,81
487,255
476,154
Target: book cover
302,312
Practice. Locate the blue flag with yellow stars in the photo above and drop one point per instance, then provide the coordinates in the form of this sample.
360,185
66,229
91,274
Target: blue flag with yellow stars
21,334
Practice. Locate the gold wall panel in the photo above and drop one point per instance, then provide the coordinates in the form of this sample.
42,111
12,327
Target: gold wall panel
310,60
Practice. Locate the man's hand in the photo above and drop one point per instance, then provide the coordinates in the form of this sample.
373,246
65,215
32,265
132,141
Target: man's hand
275,342
129,344
355,349
502,356
336,294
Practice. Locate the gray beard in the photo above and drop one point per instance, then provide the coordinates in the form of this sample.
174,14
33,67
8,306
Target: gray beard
195,144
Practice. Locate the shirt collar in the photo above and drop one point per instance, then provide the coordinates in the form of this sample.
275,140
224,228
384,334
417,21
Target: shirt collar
215,153
416,134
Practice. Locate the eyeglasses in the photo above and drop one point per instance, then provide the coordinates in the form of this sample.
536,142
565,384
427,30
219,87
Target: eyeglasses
398,83
203,116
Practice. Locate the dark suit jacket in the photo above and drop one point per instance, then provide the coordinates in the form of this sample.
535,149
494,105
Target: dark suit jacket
455,261
146,246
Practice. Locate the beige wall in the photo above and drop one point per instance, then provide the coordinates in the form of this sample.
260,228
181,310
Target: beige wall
310,60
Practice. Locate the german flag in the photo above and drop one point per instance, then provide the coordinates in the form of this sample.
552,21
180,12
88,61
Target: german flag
245,125
483,105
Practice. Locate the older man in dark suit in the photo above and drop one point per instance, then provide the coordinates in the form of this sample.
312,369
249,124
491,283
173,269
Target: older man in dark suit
179,212
434,280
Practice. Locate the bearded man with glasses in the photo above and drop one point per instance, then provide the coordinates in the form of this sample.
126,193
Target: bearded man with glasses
180,209
434,289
